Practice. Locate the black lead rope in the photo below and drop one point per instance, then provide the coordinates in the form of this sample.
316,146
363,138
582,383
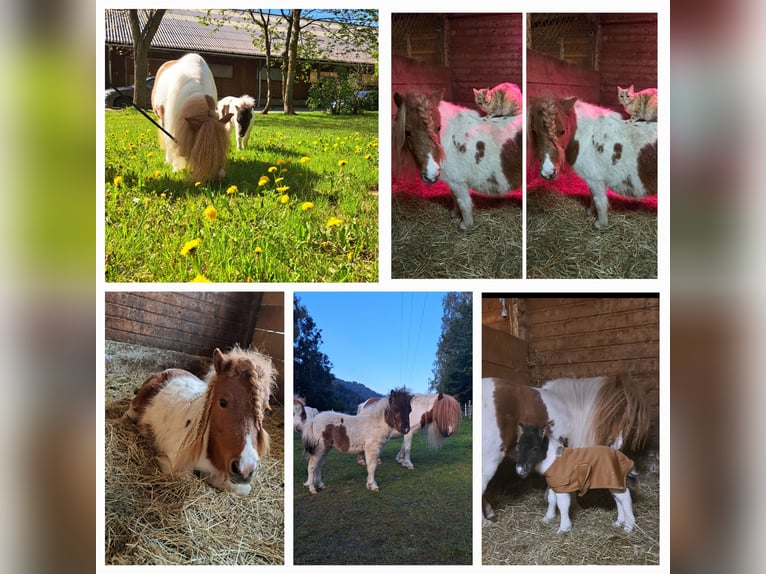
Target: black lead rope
147,116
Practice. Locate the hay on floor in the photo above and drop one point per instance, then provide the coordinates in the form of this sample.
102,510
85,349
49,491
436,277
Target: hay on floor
426,243
151,518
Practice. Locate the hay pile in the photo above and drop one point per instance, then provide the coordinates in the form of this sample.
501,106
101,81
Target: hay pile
155,519
519,536
561,242
427,244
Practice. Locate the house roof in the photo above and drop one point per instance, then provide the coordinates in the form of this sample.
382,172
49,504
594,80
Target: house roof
182,30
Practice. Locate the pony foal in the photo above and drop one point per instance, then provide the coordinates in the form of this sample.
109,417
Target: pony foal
241,121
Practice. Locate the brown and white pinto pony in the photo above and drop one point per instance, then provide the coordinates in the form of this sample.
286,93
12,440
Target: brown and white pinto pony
302,413
364,433
241,120
213,426
438,413
459,146
592,411
602,148
184,99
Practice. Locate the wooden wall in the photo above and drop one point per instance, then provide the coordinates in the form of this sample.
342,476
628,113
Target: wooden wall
628,54
483,50
547,75
410,75
198,322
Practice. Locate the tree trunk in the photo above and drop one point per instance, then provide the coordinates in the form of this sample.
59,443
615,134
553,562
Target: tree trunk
292,61
142,41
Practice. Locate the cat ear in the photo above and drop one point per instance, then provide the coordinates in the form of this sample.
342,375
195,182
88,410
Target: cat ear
476,92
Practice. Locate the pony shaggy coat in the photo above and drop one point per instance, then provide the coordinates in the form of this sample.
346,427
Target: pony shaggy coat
365,433
213,426
242,119
184,98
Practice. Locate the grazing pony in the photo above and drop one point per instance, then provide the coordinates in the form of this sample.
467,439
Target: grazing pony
602,148
241,121
568,470
593,411
466,150
213,426
183,98
366,432
439,414
302,413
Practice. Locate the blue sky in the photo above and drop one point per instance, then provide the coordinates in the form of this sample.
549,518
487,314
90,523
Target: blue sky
382,340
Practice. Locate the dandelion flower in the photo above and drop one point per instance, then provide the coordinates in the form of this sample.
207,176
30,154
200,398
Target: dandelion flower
200,279
189,246
334,222
342,162
305,159
263,181
118,180
280,162
210,213
283,188
368,156
157,173
272,169
163,195
284,199
258,250
277,180
231,190
197,183
306,205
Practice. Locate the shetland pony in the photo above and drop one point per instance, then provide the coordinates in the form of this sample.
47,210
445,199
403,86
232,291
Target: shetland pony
602,148
568,470
241,120
466,150
213,426
439,414
366,432
184,97
593,411
302,413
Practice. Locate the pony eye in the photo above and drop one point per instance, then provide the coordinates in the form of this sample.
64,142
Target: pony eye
223,403
561,133
407,133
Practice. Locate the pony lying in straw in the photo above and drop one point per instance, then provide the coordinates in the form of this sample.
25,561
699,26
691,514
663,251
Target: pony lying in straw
213,426
242,118
601,147
184,98
439,414
366,432
458,145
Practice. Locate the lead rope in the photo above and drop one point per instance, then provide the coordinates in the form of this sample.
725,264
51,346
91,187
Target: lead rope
147,116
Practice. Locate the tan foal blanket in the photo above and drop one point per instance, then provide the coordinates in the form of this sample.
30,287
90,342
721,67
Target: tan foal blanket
579,469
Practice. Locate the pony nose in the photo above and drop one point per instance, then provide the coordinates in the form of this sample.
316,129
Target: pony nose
241,475
405,428
522,470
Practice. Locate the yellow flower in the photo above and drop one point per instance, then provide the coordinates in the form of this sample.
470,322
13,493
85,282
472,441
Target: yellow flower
306,205
284,199
342,162
200,279
334,222
258,250
263,181
272,169
157,173
117,180
368,156
280,162
305,159
189,245
163,195
279,179
232,189
210,213
283,188
197,183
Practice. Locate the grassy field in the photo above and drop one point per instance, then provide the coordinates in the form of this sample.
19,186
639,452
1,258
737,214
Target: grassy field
300,204
420,516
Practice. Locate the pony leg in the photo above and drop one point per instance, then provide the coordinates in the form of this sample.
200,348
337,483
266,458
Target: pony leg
403,456
371,454
599,203
625,517
463,206
562,501
487,511
550,513
314,481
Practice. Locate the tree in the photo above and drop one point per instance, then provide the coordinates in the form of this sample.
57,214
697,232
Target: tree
290,61
142,41
453,366
312,377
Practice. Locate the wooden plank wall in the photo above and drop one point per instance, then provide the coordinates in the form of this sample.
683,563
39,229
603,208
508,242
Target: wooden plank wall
483,50
504,351
547,75
269,333
628,54
588,337
410,75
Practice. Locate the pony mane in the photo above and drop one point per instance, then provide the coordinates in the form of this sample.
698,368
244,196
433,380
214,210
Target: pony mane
580,399
444,413
546,108
262,380
300,400
623,407
202,138
420,105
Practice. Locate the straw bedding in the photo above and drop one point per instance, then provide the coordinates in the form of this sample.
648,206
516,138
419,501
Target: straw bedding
151,518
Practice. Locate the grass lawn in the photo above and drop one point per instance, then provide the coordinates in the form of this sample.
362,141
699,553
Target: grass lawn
420,516
300,204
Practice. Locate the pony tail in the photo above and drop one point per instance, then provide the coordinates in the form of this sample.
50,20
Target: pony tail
623,409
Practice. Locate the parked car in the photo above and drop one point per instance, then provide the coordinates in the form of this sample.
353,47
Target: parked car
124,98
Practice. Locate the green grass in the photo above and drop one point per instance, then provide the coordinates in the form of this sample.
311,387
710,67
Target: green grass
310,221
420,516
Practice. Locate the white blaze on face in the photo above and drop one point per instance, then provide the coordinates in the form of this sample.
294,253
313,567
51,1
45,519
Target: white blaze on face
431,173
547,169
248,459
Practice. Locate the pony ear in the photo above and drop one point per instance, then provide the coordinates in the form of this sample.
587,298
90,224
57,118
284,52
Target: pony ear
568,103
226,118
218,360
437,96
398,99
